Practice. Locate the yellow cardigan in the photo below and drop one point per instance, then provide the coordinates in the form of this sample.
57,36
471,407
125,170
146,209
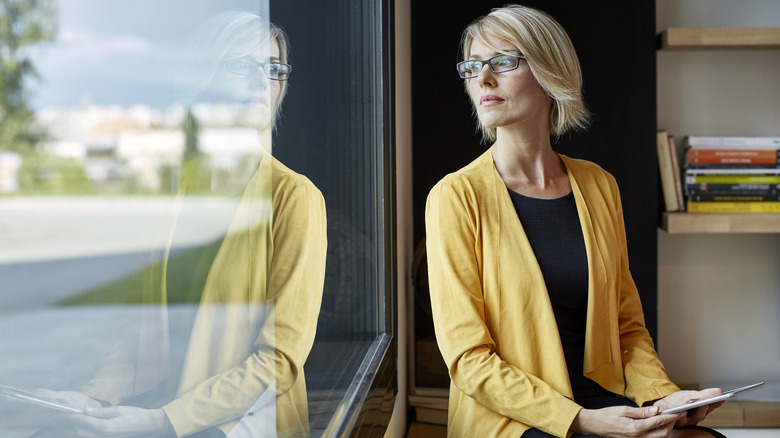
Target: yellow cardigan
493,318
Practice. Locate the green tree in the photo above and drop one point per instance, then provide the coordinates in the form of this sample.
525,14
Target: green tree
191,131
195,169
24,25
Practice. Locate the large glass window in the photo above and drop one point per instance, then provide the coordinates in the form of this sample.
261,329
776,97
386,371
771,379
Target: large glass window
195,204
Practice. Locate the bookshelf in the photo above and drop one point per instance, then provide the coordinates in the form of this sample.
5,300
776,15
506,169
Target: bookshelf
711,82
720,223
719,38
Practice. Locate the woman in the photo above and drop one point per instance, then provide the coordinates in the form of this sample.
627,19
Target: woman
535,311
242,373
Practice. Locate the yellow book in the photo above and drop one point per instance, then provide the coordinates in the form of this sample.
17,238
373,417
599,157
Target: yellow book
734,207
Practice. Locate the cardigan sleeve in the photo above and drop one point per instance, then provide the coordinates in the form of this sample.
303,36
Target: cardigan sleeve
456,288
644,373
295,294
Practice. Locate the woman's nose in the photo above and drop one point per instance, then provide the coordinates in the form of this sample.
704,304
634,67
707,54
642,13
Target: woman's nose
486,75
258,80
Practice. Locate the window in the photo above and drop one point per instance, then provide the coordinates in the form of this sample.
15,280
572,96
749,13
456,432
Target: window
170,239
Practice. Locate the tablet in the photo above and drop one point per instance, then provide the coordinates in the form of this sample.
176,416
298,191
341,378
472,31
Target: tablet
706,401
36,399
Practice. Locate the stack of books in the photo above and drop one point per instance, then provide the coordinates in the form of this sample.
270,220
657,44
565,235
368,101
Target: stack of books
732,174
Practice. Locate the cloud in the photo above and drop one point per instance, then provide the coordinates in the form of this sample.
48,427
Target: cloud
77,45
88,43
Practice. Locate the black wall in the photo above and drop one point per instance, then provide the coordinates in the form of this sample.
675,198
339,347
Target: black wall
615,41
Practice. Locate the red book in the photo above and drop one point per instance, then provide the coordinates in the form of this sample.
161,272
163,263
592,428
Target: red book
733,156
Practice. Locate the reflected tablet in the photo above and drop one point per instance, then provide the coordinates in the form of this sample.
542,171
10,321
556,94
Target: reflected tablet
706,401
39,400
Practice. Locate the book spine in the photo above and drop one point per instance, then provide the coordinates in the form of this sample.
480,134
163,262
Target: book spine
702,142
678,186
732,156
666,172
733,189
754,165
741,153
726,170
731,179
733,198
733,207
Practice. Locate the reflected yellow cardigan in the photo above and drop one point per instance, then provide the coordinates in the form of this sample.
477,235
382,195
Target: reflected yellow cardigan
493,318
258,315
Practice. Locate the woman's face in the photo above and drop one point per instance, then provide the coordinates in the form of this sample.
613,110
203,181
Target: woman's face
254,92
509,99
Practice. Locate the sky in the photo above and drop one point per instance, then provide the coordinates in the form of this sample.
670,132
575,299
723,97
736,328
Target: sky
121,52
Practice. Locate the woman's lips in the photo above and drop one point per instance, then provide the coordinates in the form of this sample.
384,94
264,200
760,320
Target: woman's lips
490,100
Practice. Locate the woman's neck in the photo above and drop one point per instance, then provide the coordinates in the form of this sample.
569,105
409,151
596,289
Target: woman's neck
529,166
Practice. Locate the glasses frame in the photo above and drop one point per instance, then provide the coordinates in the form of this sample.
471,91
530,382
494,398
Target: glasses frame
264,66
489,63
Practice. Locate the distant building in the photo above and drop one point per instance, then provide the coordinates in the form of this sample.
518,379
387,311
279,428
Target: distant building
139,142
10,162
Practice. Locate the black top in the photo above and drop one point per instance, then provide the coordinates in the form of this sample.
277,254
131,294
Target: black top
554,231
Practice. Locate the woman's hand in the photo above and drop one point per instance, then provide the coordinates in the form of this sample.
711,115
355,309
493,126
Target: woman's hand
693,416
625,422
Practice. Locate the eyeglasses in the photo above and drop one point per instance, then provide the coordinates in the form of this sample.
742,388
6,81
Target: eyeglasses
498,64
275,71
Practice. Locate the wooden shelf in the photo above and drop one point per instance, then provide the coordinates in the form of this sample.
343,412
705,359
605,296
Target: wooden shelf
745,414
432,410
719,38
720,223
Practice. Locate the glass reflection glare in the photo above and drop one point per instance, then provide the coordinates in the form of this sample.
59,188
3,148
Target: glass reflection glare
207,332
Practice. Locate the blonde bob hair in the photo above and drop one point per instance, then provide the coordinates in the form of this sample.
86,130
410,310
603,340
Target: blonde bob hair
233,34
550,55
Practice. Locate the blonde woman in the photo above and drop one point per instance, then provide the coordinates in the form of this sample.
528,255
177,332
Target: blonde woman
535,310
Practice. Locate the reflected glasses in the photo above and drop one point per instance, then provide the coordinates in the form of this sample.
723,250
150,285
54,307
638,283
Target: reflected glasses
498,64
275,71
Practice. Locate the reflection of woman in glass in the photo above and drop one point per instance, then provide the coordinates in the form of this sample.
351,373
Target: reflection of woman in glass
242,374
535,311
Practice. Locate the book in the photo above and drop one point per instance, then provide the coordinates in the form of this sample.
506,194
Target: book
727,170
732,198
703,142
733,189
732,156
678,188
735,178
733,207
666,171
764,166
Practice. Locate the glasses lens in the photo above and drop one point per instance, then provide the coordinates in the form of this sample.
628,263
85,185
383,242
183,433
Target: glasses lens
242,66
469,69
277,71
503,63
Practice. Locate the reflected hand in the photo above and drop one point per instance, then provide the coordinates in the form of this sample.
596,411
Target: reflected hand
71,398
693,416
625,422
119,422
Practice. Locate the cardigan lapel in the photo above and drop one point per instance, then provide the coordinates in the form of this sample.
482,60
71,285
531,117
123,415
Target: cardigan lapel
597,352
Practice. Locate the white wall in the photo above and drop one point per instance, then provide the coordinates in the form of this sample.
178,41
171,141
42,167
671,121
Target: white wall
719,295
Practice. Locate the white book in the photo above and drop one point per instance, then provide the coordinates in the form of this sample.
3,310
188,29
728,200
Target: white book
758,143
734,170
